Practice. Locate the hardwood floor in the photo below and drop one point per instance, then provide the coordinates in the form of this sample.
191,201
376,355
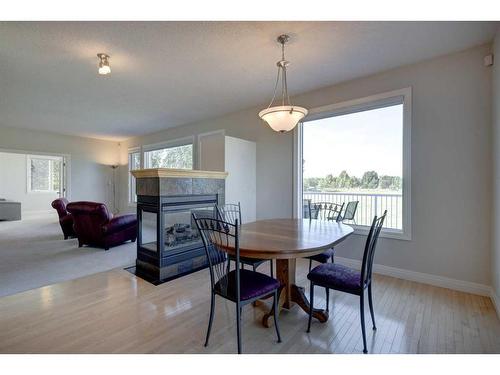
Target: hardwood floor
115,312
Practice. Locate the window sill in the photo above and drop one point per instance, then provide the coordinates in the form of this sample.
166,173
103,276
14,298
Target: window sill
385,233
42,192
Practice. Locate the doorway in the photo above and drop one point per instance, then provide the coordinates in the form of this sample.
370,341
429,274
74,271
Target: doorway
33,180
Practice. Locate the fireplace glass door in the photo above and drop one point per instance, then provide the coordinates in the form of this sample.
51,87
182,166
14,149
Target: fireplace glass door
169,245
179,228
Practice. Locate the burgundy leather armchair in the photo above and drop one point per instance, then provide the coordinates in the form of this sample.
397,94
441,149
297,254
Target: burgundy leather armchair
65,218
95,226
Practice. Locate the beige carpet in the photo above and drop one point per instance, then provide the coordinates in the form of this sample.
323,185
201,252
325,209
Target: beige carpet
33,254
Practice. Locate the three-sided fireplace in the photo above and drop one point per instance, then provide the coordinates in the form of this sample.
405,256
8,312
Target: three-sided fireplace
168,243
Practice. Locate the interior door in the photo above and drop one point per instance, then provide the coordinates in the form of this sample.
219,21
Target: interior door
62,178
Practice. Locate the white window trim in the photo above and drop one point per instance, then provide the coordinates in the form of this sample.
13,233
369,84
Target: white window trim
29,190
356,105
168,144
130,151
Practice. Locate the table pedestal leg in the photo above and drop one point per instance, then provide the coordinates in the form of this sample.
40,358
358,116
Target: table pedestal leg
290,293
299,297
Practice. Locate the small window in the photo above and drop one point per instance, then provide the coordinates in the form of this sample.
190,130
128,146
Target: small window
134,162
179,157
44,174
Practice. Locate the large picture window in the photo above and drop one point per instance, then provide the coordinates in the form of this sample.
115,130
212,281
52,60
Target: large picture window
359,152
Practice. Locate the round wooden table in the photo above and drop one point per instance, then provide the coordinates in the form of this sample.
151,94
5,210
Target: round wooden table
286,240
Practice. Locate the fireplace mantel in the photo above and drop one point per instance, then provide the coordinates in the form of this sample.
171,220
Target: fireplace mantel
177,173
161,182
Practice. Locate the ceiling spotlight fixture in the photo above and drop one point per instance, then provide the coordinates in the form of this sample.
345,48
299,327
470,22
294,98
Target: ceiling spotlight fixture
103,64
284,117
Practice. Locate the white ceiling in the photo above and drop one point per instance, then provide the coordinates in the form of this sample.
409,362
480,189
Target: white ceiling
166,74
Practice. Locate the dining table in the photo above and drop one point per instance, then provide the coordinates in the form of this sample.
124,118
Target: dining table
286,240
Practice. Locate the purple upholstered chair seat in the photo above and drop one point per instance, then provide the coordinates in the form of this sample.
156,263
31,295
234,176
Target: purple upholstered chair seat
323,257
252,284
336,276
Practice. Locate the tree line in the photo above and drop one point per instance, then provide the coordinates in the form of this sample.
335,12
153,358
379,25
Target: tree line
369,180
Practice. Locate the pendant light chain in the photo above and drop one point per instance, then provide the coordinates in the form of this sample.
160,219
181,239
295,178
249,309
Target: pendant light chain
275,88
285,97
283,85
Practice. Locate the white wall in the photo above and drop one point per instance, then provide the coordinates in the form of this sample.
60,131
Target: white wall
13,184
240,157
451,162
495,229
211,149
90,174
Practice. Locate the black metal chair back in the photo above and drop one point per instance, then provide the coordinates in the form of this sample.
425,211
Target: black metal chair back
369,253
219,235
326,210
230,212
215,235
306,209
350,210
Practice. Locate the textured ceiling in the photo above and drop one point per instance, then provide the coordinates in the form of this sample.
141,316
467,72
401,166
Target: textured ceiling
166,74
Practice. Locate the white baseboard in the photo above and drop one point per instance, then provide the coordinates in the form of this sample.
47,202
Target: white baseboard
496,301
424,278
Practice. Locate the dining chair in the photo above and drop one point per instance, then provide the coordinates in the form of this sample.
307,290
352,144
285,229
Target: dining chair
348,280
324,211
349,212
239,285
230,212
306,209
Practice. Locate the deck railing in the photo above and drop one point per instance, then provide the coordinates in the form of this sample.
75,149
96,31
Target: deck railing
370,204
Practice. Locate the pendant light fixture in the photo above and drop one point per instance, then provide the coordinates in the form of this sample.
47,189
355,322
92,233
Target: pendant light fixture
103,64
284,117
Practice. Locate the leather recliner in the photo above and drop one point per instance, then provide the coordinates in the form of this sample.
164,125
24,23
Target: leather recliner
94,225
65,218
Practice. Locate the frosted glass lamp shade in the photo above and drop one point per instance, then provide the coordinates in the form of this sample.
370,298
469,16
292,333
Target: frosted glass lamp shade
104,69
283,118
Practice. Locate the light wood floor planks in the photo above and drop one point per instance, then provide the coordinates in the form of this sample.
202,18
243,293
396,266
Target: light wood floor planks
115,312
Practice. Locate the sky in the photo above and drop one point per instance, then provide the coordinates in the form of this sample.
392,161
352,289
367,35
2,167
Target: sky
356,142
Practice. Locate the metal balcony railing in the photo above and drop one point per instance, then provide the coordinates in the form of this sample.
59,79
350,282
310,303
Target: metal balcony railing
370,204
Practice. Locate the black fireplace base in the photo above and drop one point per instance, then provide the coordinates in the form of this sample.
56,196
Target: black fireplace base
154,280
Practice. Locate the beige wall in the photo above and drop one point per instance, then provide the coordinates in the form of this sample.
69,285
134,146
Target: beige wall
451,162
495,254
90,174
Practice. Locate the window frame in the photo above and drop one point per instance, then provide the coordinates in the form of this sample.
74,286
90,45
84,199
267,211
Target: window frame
400,96
185,141
131,192
29,190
